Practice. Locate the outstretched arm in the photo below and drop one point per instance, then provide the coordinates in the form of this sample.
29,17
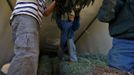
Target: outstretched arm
49,9
76,23
58,20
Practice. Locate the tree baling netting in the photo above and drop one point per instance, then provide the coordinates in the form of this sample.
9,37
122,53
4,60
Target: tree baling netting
85,66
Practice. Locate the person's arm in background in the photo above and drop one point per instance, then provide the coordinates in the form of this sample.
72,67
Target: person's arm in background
109,9
58,20
76,23
50,8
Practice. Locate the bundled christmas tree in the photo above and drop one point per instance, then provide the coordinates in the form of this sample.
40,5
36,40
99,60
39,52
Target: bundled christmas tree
66,6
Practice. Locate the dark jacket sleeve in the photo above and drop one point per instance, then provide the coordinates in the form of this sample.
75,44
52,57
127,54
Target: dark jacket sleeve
76,23
59,21
110,9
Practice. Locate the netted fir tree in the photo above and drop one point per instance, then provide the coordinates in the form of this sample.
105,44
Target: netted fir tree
66,6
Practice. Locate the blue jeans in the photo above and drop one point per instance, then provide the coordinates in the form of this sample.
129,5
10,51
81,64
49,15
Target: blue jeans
121,55
72,50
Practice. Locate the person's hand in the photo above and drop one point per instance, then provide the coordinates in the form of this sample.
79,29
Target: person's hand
77,10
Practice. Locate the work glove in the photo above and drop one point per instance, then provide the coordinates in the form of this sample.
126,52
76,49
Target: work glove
77,10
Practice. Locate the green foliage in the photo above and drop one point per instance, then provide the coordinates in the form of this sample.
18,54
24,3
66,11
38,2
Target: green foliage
64,6
82,67
95,58
48,66
45,66
86,65
55,66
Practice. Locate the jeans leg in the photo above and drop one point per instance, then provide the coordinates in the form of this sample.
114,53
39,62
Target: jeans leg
121,56
72,50
26,46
